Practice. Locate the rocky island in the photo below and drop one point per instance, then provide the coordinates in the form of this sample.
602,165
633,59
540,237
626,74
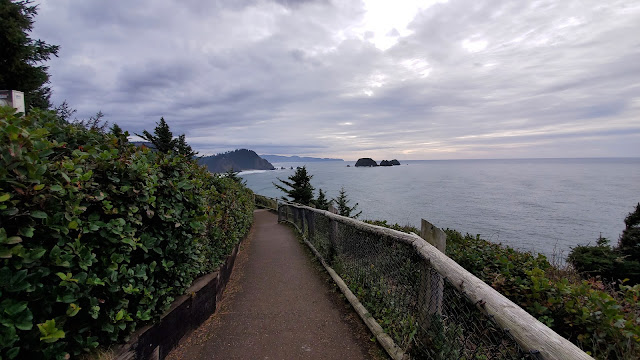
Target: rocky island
389,163
366,162
242,159
369,162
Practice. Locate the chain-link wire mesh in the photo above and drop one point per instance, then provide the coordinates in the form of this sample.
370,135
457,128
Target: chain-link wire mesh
424,314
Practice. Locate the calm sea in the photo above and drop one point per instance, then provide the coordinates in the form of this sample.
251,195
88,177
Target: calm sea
540,205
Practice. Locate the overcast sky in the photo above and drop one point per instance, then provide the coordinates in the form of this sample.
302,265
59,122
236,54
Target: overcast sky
349,79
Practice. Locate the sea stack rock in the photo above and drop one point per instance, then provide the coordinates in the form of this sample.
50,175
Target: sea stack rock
389,163
366,162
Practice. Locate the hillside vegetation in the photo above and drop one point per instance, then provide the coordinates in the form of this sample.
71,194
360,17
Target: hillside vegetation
236,160
98,236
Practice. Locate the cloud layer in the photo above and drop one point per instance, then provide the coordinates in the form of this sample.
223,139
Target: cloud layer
411,80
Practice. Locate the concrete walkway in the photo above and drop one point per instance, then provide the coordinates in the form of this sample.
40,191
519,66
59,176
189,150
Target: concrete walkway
279,305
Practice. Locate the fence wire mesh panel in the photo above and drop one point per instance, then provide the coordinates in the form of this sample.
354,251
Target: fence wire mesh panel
424,314
320,237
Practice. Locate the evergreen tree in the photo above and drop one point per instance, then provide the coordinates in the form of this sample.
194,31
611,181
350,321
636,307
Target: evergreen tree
64,111
162,137
183,148
116,130
299,187
119,134
94,123
21,57
610,263
233,175
322,202
630,239
342,202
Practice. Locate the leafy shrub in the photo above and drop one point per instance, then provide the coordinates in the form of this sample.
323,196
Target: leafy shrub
617,263
97,236
611,264
603,321
600,260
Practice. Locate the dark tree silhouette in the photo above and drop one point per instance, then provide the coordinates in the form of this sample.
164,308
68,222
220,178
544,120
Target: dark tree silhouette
183,148
630,240
322,202
342,202
299,187
233,175
162,137
163,141
21,57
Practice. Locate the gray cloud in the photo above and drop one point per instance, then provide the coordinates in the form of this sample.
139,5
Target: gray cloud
456,79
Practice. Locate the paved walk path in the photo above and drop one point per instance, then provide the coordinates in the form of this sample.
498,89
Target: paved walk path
278,305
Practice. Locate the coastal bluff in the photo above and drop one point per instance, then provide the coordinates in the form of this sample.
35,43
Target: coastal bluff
237,160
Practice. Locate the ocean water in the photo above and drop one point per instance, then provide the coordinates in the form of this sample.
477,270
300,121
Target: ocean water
539,205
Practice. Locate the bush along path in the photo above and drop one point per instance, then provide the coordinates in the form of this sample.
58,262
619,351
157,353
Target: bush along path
279,306
97,236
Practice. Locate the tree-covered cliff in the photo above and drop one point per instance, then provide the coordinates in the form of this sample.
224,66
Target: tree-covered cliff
236,160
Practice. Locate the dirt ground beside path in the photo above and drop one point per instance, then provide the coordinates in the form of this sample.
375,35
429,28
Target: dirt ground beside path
279,304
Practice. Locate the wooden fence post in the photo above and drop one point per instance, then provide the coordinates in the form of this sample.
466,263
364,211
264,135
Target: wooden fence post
280,208
433,235
294,215
311,224
332,209
432,283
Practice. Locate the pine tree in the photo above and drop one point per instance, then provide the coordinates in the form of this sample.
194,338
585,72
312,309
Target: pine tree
64,111
629,243
21,57
163,141
299,187
116,130
183,148
322,202
342,202
162,137
119,134
94,123
233,175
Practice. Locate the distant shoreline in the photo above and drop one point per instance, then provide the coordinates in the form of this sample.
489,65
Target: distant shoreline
284,159
528,159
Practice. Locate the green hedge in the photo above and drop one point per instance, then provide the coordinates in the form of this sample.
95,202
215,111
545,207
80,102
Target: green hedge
98,236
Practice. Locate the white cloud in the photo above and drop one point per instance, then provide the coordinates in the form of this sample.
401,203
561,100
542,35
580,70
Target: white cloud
425,79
